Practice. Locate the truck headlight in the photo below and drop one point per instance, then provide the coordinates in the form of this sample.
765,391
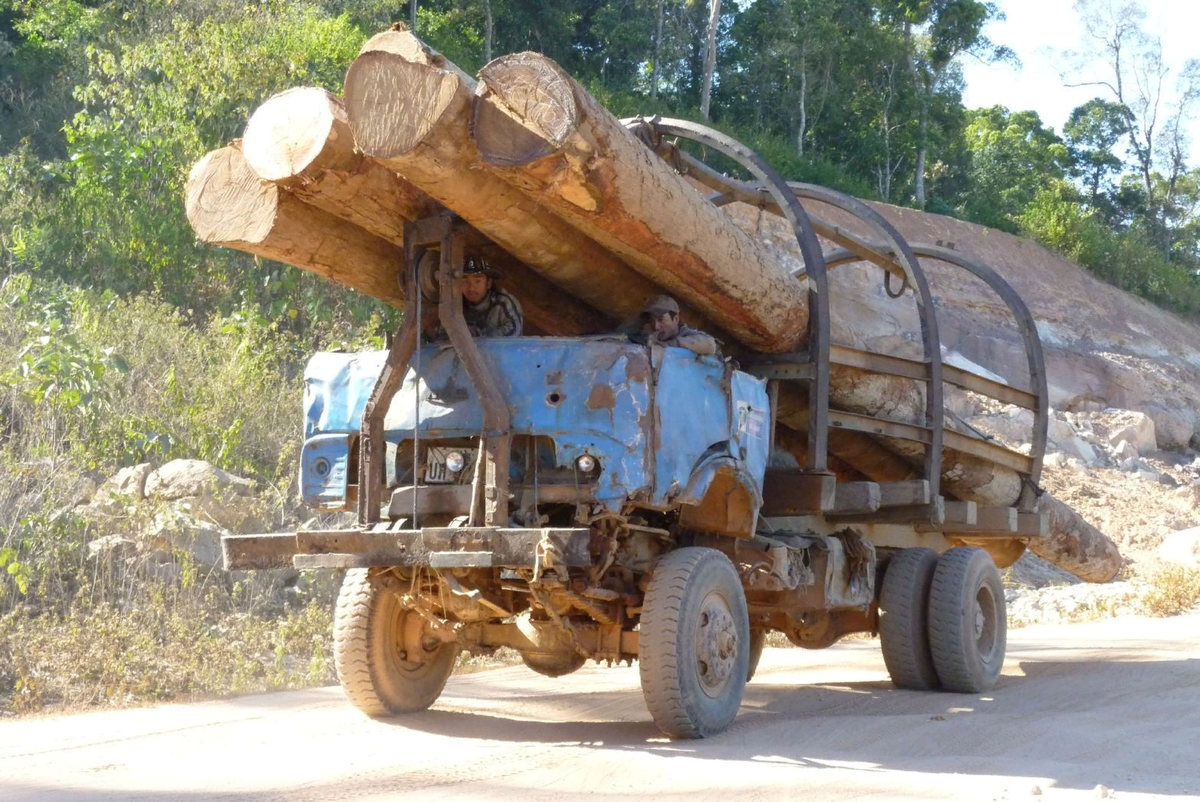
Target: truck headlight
585,463
455,461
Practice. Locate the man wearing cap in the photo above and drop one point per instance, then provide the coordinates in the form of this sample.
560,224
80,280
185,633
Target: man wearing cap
488,310
662,325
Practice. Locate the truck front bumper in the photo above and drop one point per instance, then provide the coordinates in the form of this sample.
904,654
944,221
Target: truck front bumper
459,547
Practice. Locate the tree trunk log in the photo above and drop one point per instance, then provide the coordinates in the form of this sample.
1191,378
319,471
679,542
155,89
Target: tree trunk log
409,109
547,136
301,141
228,204
1075,545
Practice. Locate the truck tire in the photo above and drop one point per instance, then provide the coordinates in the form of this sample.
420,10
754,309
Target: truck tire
694,648
375,673
758,639
553,665
904,619
967,621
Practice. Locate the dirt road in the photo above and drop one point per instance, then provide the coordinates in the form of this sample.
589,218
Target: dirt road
1115,704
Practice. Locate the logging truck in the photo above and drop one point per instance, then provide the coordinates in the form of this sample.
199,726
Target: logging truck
575,495
579,498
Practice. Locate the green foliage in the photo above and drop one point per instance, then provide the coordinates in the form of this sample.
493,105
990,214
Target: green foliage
1011,156
1130,260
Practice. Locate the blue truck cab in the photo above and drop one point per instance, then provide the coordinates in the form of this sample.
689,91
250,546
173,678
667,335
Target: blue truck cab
599,425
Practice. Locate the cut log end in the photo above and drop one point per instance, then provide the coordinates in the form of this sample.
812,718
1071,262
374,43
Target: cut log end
395,103
532,113
297,130
227,201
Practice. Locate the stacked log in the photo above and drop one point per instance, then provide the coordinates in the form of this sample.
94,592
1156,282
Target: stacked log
295,190
409,109
590,221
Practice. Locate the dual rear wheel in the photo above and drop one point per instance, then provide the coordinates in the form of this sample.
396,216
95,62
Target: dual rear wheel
942,620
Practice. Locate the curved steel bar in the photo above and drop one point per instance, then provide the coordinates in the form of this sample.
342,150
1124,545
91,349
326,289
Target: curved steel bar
810,251
934,409
1025,323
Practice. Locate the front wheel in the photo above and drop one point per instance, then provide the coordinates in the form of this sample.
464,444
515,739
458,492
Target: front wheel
694,648
967,620
386,662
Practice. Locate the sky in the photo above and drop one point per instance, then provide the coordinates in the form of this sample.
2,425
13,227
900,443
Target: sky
1038,30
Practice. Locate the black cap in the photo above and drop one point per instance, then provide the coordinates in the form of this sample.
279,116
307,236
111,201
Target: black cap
475,265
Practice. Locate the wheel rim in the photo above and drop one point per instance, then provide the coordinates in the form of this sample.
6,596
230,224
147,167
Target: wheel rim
716,645
984,623
408,636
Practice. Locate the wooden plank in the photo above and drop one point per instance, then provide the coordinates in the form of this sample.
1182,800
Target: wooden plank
961,512
903,494
999,519
917,514
791,492
856,497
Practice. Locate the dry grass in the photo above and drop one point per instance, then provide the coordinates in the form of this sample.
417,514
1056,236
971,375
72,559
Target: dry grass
1171,590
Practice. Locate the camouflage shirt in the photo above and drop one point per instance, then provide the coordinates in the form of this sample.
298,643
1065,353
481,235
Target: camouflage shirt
497,315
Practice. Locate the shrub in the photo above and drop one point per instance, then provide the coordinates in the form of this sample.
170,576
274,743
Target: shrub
1171,590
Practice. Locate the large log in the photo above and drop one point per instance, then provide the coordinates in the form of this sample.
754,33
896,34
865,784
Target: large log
409,109
547,136
228,204
301,141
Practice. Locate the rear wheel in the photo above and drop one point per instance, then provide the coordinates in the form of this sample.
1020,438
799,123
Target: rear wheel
967,621
386,661
695,643
904,621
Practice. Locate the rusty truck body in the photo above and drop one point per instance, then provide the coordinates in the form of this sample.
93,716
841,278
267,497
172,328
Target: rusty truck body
595,498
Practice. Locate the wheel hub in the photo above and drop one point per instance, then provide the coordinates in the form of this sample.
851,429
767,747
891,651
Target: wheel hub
716,645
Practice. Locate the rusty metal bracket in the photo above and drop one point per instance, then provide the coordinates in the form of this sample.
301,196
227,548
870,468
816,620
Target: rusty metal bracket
491,488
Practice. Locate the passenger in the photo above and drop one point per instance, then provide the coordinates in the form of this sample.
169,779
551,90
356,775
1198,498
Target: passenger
661,324
488,310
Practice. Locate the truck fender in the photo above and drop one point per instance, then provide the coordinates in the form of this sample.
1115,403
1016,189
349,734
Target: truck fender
721,496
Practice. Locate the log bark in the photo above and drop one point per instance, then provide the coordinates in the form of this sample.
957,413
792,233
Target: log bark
1075,545
301,141
547,136
229,204
409,109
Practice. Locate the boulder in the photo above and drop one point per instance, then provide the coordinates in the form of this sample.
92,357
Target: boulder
184,478
1136,427
111,548
174,530
127,484
1125,450
1032,571
1173,428
1182,548
1059,432
229,511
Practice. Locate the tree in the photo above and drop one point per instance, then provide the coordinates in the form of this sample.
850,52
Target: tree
1091,132
1131,69
710,55
1012,156
936,33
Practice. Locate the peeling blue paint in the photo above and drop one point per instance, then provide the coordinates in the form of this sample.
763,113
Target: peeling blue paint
648,426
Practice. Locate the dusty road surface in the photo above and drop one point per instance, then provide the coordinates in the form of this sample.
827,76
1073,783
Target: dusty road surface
1114,704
